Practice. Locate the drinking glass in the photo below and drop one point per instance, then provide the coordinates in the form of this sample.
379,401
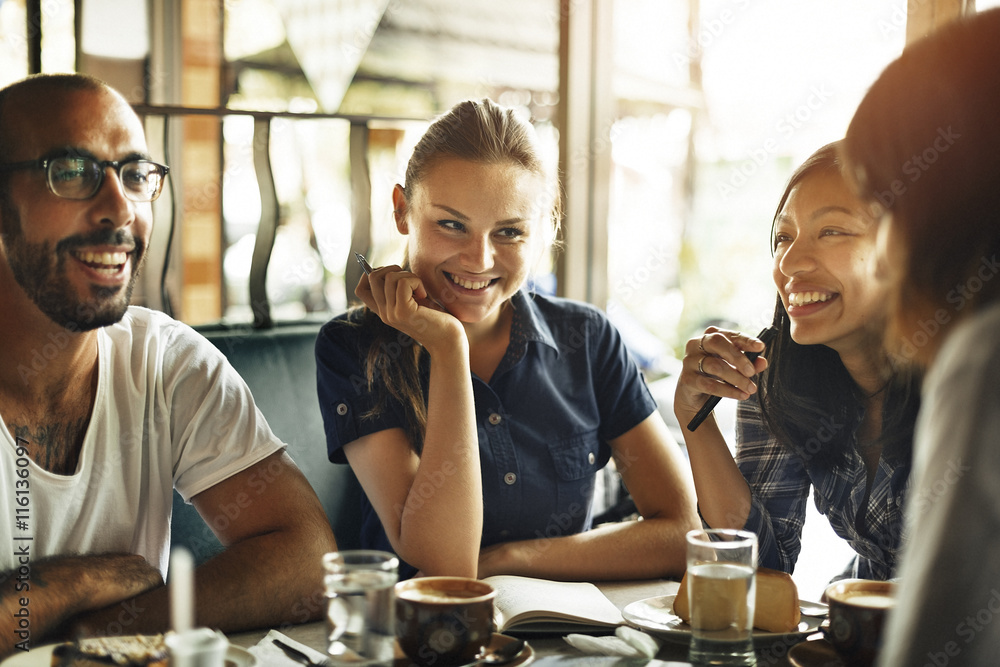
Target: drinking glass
360,606
722,581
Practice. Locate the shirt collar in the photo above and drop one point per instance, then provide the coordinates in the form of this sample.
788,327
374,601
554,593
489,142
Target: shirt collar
528,322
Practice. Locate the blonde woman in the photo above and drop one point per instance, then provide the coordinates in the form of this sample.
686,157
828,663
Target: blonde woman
475,413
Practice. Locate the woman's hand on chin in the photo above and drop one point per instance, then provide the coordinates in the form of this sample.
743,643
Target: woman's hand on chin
400,300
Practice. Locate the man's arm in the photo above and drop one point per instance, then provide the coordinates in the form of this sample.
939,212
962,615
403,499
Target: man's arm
270,573
37,600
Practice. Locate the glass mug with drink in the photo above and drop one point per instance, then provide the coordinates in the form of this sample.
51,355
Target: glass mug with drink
721,571
360,613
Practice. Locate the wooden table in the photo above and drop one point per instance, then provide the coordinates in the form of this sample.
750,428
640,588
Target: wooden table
620,593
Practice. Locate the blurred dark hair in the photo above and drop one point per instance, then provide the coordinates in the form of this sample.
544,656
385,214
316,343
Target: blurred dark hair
809,400
924,145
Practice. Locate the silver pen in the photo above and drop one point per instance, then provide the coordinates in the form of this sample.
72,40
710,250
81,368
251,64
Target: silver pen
368,269
364,263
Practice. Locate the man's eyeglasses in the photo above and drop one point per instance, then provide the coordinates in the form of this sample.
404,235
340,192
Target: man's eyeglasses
73,177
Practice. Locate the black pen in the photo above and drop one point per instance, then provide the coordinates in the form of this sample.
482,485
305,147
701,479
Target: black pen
765,337
364,263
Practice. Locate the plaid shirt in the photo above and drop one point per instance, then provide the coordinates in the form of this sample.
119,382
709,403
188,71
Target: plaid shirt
780,479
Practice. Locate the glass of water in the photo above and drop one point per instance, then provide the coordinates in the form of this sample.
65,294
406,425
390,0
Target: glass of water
360,606
722,582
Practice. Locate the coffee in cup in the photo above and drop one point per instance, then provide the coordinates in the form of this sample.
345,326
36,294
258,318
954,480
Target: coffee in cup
858,609
444,621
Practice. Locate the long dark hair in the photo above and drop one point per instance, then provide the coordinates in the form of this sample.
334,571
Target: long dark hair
809,400
474,130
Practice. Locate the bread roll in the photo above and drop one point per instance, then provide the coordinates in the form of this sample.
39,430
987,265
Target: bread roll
130,651
777,602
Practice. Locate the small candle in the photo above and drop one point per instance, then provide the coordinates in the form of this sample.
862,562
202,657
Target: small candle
181,589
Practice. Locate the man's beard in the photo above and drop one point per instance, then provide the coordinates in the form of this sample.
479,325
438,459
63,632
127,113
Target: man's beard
40,270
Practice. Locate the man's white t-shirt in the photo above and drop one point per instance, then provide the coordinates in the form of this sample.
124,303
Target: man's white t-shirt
170,411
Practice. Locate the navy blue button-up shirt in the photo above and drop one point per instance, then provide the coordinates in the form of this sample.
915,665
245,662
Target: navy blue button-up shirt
565,387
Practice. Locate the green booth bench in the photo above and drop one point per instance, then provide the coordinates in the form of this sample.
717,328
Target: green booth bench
279,365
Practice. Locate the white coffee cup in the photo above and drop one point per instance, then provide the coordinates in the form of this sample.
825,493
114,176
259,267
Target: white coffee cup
197,647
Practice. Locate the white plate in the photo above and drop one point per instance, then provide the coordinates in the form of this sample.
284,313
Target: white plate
41,656
656,615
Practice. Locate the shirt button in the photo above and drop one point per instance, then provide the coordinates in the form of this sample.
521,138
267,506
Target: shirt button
591,458
342,409
509,478
504,533
495,419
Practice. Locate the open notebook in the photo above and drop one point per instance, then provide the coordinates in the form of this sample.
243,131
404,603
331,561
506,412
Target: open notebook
525,605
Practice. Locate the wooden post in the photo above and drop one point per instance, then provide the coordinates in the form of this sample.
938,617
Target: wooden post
202,163
585,117
925,16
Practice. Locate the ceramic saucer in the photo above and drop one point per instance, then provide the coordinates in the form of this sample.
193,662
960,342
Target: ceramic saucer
815,653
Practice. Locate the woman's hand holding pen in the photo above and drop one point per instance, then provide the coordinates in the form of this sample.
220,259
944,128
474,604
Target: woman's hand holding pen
715,365
400,300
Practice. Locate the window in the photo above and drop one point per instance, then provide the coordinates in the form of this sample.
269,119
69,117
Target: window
396,64
697,176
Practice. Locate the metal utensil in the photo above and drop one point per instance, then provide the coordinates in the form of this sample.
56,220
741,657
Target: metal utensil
503,654
298,656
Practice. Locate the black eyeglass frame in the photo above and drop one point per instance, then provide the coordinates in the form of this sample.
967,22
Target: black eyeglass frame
46,164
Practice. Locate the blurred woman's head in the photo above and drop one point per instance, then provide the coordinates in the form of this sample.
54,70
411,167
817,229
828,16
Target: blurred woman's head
924,149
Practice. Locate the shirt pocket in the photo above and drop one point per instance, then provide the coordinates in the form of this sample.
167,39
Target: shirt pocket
576,460
576,457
